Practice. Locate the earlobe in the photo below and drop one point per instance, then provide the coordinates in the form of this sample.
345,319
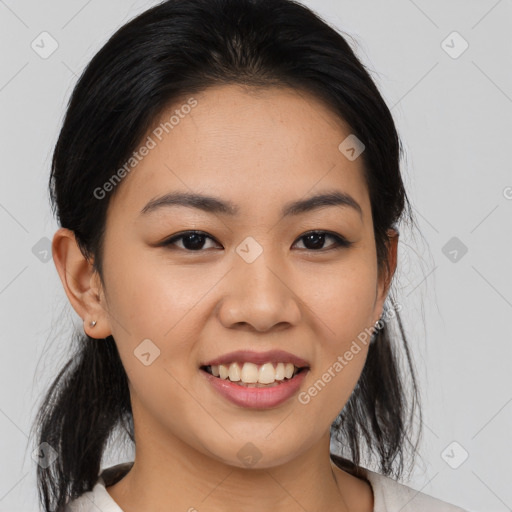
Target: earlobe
78,278
393,236
385,280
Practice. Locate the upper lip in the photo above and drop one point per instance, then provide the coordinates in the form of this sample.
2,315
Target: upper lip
249,356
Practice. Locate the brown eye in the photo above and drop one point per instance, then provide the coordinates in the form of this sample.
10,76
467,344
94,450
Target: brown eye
314,241
192,240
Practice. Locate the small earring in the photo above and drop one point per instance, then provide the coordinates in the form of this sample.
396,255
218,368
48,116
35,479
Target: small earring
374,335
93,323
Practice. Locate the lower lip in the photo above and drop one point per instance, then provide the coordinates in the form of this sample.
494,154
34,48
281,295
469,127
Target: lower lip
256,398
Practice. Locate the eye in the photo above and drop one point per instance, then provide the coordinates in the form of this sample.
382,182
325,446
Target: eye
314,240
192,240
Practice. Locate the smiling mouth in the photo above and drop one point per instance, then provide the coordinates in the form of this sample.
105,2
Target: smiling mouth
251,375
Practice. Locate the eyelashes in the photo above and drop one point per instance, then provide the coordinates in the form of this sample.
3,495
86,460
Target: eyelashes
195,241
316,236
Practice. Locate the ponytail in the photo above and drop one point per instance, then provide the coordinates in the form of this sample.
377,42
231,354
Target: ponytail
85,402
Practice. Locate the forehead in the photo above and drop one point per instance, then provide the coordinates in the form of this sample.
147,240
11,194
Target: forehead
249,145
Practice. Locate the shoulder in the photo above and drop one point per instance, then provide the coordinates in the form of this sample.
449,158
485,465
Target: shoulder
392,496
93,501
98,499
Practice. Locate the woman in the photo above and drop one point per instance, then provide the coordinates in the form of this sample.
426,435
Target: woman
227,181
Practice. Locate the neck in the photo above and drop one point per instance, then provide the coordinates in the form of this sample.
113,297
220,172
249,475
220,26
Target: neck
194,482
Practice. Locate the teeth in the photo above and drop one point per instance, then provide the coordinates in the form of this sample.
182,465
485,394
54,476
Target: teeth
234,372
223,371
280,371
267,374
250,373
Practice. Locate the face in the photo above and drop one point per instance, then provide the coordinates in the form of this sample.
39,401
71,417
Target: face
254,279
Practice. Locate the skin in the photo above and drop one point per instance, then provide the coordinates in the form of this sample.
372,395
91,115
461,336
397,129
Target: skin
259,149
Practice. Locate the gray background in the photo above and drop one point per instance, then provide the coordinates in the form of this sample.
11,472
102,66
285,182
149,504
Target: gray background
453,113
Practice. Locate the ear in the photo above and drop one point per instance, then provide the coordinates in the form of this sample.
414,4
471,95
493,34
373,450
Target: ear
81,283
386,276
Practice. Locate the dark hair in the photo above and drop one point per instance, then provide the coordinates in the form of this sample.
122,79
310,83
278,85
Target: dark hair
178,48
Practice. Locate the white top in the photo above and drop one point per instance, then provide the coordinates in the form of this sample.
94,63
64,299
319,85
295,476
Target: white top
389,496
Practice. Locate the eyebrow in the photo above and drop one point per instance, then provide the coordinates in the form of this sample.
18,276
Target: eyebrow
216,205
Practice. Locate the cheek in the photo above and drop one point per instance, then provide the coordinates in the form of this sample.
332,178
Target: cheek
154,299
344,311
344,300
156,302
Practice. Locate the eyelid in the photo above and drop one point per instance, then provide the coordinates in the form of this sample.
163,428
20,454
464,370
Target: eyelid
340,240
182,234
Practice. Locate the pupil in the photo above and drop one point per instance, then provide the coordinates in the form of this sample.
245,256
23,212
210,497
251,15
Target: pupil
318,238
197,241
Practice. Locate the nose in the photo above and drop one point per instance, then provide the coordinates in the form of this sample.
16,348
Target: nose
259,296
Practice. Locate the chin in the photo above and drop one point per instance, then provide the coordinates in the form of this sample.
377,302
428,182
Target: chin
254,452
